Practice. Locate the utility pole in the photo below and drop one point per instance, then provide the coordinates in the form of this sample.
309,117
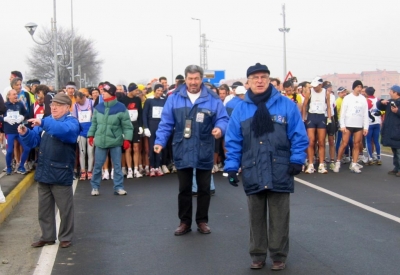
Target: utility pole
204,63
284,30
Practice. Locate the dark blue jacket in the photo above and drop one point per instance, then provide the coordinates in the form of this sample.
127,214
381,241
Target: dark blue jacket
205,114
265,160
232,104
391,124
57,140
13,107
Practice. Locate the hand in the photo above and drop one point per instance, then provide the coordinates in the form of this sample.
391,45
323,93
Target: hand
20,118
394,109
91,141
35,121
233,178
294,169
157,148
22,130
385,102
365,132
147,132
343,130
140,130
126,144
9,120
216,132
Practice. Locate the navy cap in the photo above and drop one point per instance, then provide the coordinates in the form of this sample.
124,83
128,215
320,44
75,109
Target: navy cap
395,88
257,68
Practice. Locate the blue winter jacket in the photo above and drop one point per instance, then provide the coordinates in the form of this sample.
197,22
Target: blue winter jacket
391,125
207,113
57,141
265,160
232,104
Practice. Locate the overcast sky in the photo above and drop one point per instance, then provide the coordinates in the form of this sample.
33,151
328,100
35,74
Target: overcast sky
131,36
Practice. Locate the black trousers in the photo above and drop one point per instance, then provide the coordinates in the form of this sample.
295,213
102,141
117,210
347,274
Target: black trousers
185,205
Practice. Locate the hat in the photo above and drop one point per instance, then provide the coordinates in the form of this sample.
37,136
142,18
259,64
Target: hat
327,86
357,83
157,86
370,91
236,83
179,76
257,68
132,87
240,90
316,81
341,89
62,99
33,82
110,88
141,87
396,89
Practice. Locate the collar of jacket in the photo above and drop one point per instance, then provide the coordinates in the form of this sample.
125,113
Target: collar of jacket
111,103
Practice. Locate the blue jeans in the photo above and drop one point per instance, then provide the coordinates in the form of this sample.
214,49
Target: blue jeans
373,134
194,184
100,155
396,159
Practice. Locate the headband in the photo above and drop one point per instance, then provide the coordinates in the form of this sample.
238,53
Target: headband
71,86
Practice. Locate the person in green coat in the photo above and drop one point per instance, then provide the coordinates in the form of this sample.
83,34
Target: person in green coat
111,128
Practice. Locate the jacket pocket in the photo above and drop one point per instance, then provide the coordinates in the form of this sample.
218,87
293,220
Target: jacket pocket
60,172
177,146
206,150
280,176
250,176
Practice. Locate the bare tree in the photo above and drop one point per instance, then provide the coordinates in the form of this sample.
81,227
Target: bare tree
41,59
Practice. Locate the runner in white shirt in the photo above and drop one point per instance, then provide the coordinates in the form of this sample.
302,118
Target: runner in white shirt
353,120
331,127
316,104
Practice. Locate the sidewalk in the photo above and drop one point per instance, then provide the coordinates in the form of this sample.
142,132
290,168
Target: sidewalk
14,187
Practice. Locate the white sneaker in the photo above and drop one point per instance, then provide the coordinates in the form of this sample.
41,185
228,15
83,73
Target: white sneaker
95,192
106,175
322,169
120,192
355,169
225,174
174,169
112,174
124,171
137,174
130,174
331,165
164,169
346,159
337,167
357,164
363,158
310,169
27,167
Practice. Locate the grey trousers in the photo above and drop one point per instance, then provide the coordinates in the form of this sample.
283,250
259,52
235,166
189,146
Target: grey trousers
274,237
51,195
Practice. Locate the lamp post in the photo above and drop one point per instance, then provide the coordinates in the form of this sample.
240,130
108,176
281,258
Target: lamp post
172,57
72,39
199,34
284,30
31,28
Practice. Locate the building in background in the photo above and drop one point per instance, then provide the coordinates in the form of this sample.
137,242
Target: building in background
381,80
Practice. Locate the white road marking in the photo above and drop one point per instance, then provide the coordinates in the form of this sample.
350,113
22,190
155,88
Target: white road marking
48,255
346,199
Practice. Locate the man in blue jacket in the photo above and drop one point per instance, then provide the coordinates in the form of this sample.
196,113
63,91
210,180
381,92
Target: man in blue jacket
56,136
266,137
198,117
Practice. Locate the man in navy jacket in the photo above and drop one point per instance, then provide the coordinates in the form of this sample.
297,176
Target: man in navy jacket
198,117
56,136
266,137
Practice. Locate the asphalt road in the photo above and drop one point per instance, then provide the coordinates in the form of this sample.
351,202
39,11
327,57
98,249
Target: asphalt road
133,234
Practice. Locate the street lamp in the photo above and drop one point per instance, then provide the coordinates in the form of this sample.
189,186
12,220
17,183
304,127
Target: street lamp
284,30
199,34
31,28
72,40
172,56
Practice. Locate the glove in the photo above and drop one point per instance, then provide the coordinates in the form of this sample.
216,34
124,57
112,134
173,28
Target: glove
91,141
329,121
9,120
126,144
233,179
20,118
147,132
140,130
294,169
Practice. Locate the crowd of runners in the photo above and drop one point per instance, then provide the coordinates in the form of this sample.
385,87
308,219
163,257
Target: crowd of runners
347,122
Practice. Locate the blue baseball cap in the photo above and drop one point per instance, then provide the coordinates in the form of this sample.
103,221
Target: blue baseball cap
395,88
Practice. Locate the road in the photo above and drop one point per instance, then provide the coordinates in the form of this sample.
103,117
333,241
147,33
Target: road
133,234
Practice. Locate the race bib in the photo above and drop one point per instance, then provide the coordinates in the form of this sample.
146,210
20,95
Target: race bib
357,110
317,106
157,110
84,116
133,115
200,117
13,114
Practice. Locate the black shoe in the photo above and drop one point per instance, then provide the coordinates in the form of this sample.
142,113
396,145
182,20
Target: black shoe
194,194
212,192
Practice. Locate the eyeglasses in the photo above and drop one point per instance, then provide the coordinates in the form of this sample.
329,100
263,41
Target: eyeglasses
53,105
262,77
